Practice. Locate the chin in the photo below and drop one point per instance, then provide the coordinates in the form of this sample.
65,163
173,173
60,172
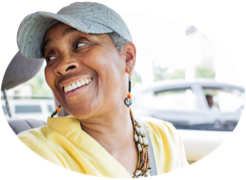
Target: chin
84,111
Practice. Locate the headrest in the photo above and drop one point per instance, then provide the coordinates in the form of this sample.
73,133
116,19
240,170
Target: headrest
20,70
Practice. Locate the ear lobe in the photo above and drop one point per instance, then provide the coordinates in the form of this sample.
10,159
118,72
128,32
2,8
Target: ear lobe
130,50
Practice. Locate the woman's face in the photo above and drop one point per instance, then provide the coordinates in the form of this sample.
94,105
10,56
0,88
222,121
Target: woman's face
85,72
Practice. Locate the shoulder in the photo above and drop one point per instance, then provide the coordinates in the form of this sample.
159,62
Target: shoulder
162,134
39,140
35,136
167,145
159,127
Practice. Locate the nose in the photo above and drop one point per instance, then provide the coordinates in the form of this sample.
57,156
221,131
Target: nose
66,66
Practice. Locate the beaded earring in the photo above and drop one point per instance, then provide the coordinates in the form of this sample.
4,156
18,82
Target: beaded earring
128,99
58,109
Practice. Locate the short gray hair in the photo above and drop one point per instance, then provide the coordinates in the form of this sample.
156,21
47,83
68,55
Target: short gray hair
118,41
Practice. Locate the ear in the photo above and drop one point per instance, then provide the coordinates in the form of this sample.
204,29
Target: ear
130,60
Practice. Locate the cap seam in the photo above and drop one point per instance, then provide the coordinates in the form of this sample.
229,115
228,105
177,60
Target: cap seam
108,16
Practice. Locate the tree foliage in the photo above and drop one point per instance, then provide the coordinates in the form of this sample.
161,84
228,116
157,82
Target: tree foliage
204,72
39,85
162,74
136,78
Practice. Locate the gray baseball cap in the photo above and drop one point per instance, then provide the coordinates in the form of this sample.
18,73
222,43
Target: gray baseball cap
88,17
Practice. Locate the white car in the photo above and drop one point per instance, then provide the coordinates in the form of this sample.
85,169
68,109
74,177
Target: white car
29,108
200,104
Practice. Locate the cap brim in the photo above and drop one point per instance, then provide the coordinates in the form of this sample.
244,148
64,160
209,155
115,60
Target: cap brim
33,28
20,70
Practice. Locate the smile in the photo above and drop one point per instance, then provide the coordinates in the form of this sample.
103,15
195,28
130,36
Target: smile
77,84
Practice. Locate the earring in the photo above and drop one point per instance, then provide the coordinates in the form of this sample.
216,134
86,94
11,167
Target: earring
128,99
58,109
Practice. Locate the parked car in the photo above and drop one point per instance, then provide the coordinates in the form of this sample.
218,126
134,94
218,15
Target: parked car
22,107
199,104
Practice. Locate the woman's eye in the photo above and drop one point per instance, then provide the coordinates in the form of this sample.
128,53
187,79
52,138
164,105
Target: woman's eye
49,58
80,45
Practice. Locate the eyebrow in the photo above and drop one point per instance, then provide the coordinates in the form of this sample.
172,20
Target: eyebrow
47,41
69,30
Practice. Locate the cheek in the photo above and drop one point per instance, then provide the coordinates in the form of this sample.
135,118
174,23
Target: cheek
106,62
48,77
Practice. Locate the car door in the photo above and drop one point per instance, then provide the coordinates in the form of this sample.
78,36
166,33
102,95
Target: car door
228,102
177,103
213,116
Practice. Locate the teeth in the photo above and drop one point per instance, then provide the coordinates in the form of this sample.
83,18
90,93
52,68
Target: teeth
77,84
65,89
82,82
74,86
69,88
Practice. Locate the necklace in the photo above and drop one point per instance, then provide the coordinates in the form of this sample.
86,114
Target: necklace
143,166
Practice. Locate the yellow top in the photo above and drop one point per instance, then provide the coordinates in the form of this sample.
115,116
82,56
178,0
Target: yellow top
64,143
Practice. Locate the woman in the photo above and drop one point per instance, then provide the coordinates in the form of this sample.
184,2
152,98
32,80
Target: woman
90,57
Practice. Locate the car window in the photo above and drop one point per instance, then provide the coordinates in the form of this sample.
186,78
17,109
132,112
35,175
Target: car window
25,106
4,110
50,108
27,109
174,99
224,99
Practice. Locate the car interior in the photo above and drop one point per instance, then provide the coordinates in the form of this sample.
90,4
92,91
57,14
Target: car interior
197,144
19,71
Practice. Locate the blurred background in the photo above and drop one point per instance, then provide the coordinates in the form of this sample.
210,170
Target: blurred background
181,75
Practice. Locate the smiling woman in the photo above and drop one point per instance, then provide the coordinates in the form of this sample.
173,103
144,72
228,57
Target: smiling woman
90,58
73,56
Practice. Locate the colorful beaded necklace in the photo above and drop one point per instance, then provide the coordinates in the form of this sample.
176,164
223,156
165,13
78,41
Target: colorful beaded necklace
143,166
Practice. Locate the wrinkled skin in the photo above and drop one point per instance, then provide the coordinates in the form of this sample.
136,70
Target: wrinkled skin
72,55
99,106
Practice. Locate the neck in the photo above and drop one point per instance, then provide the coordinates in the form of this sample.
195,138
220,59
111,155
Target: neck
114,130
115,133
